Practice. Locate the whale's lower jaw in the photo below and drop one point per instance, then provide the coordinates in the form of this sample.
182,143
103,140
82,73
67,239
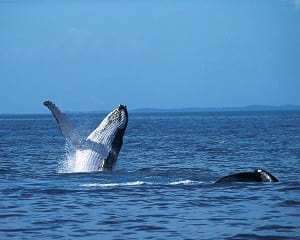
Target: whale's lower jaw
87,161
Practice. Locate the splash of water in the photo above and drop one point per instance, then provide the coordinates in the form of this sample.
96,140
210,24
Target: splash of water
79,160
67,163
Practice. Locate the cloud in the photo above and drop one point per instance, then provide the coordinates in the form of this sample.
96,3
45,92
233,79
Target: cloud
77,38
296,3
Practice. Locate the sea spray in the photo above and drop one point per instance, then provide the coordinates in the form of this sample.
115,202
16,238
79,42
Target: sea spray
67,163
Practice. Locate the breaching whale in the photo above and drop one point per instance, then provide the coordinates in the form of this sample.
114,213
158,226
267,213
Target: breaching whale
258,175
100,150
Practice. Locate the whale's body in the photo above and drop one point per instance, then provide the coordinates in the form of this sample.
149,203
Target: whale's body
100,150
258,175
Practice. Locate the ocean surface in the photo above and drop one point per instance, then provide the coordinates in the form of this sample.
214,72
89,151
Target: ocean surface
163,184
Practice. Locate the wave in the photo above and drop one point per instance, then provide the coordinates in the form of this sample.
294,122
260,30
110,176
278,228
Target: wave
185,182
138,183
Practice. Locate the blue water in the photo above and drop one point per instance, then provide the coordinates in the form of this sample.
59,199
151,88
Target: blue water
163,185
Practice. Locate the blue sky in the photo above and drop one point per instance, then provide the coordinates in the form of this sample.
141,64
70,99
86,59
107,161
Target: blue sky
93,55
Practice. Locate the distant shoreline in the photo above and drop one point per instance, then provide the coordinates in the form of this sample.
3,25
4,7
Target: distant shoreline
249,108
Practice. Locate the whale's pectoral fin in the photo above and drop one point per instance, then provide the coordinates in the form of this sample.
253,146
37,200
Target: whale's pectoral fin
65,126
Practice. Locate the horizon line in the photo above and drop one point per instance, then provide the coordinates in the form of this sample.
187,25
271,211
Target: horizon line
254,107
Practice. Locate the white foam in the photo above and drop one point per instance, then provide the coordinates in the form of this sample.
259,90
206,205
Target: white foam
136,183
67,164
183,182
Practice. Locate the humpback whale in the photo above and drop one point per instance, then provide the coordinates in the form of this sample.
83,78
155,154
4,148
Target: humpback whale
100,150
258,175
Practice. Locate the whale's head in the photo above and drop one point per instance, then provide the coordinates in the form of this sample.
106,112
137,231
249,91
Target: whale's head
265,176
116,120
114,124
110,134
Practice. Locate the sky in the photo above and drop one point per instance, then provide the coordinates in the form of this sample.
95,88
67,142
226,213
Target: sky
94,55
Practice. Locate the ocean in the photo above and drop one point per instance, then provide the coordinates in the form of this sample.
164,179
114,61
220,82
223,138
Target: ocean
163,184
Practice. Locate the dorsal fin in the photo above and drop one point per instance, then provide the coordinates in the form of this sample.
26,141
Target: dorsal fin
69,132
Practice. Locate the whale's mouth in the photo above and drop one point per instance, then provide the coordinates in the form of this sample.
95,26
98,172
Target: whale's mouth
122,107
